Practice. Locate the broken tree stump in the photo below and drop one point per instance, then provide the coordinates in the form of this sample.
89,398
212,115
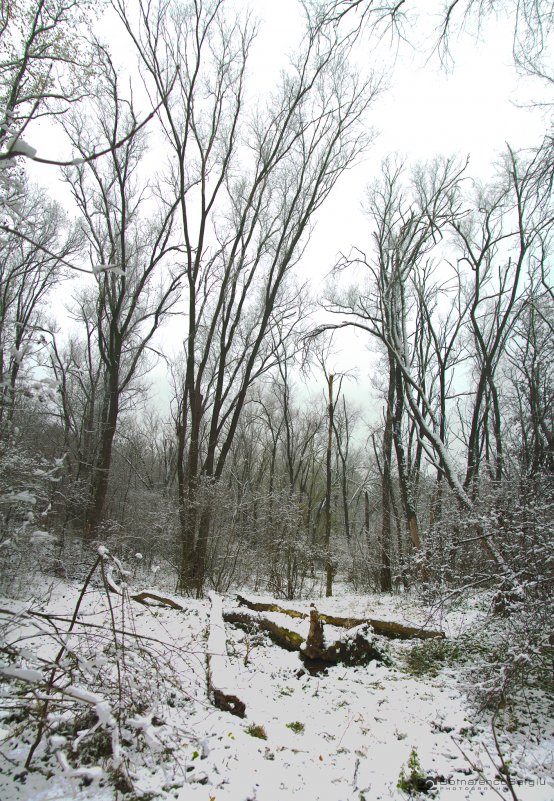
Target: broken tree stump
220,677
355,648
315,644
387,628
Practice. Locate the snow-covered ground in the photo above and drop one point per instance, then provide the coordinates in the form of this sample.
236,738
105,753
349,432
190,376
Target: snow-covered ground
141,710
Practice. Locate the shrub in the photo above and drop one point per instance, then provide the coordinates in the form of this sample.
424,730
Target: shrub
415,781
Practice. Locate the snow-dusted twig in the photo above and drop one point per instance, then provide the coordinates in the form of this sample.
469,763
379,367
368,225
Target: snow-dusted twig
50,683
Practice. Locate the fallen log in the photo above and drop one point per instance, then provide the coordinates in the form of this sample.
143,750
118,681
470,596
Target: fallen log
387,628
287,639
264,607
142,597
220,677
355,648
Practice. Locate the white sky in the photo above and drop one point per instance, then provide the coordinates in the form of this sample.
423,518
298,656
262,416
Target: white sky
471,110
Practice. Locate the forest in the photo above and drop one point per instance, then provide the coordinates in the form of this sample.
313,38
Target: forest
176,426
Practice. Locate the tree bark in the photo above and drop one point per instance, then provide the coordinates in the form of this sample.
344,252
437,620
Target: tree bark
328,487
101,475
385,577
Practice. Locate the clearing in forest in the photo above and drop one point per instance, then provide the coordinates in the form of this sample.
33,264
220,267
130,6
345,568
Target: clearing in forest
130,712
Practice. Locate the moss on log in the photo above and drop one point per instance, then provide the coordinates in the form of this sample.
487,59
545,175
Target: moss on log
287,639
264,607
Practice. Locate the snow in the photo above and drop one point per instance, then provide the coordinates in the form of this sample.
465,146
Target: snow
22,497
107,268
18,354
42,538
222,676
352,732
18,147
23,674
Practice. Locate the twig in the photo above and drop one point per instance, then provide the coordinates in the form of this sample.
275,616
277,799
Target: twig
44,711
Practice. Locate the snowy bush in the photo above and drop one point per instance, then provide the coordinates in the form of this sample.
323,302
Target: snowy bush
27,482
90,696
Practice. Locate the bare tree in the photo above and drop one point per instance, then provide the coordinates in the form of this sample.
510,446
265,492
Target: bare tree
43,64
532,25
514,229
248,183
48,64
497,240
27,276
529,371
406,228
128,248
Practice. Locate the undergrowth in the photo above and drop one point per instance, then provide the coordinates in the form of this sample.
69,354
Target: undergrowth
96,699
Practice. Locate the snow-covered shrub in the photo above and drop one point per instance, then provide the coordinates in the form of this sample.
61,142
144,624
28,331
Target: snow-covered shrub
85,688
516,653
27,482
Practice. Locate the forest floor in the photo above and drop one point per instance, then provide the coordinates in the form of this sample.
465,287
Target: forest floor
130,717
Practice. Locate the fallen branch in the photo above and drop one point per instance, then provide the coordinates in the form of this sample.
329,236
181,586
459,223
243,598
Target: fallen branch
220,677
387,628
143,597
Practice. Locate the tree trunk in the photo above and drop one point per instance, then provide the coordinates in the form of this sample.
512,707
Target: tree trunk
387,628
188,500
328,486
101,475
385,577
406,493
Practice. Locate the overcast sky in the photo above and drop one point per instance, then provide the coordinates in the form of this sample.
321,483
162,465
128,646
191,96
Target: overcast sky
471,110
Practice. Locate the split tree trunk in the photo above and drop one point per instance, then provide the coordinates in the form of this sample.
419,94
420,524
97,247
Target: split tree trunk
356,648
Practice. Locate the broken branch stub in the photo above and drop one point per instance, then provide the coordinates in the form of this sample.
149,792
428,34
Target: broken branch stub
355,648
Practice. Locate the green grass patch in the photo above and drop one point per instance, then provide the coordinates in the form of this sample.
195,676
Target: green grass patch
427,658
256,731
